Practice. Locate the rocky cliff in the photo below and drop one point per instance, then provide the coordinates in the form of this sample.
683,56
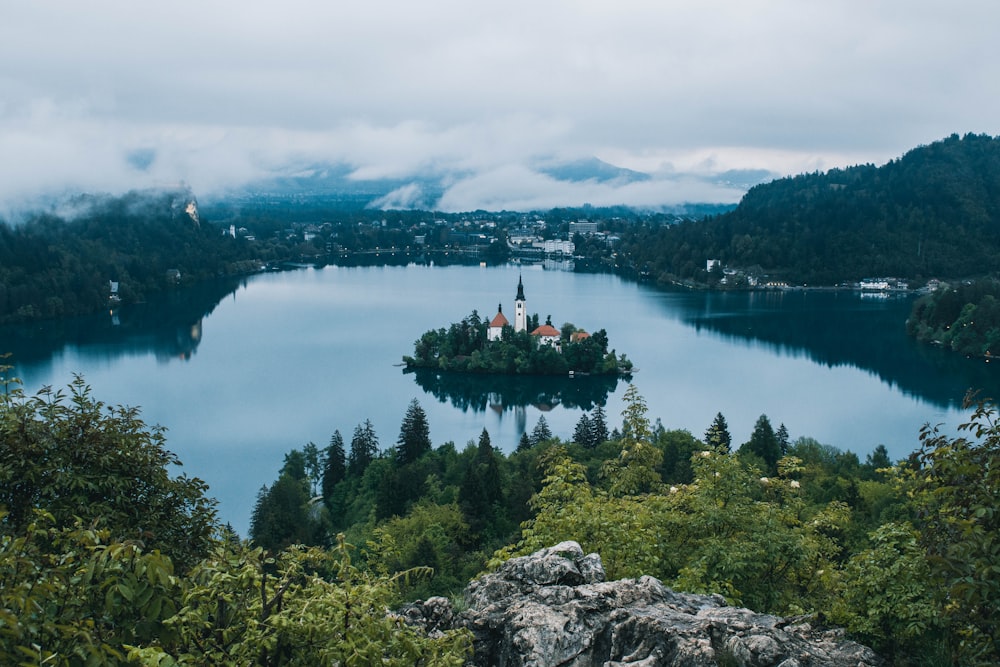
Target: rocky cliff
554,609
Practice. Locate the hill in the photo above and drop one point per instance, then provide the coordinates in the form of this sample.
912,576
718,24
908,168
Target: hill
64,261
933,212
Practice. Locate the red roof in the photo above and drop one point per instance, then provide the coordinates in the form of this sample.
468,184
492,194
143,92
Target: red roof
499,321
579,335
546,330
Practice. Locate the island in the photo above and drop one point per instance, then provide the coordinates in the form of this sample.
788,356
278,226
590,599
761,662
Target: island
475,345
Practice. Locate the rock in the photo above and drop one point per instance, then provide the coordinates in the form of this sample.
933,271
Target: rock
554,609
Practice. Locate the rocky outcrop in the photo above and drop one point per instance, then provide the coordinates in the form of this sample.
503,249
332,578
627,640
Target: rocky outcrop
554,609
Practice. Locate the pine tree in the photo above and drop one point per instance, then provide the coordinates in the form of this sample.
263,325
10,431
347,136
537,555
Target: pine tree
414,435
583,434
541,432
784,441
717,435
334,464
524,443
364,448
599,425
764,443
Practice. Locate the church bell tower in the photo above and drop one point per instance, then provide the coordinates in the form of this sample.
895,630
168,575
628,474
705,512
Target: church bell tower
520,317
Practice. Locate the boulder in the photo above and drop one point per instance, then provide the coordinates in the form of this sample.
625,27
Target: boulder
554,609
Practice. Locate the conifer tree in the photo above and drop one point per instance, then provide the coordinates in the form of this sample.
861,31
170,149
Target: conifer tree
764,444
364,448
717,435
334,464
524,443
414,435
541,432
583,434
599,425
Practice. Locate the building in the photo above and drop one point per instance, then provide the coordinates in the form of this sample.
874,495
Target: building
547,335
499,321
520,314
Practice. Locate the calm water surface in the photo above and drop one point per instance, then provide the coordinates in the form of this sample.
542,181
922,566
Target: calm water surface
240,373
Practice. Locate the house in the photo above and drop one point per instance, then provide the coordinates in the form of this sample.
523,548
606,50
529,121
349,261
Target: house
548,335
497,324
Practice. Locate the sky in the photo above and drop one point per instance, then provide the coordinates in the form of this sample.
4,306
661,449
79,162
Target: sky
104,96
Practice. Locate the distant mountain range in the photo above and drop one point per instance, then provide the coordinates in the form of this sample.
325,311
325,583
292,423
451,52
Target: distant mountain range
336,184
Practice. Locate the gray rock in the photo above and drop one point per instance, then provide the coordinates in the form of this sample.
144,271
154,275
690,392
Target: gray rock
554,609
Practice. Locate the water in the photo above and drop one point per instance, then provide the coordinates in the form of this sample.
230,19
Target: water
241,372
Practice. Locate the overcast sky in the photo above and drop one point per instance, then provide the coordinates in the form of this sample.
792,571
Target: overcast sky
108,96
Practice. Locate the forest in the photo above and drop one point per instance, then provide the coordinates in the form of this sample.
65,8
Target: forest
934,212
62,263
107,556
963,317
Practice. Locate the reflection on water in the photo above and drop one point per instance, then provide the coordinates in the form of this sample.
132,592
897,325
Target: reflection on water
169,327
467,391
843,329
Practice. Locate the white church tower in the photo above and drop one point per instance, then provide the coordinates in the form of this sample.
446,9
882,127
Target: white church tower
520,316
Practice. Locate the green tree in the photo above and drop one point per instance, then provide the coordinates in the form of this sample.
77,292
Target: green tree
634,471
583,433
541,432
717,435
599,422
764,444
83,461
334,464
364,449
956,489
414,435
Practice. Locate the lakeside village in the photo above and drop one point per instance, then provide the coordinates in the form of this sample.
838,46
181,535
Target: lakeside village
525,347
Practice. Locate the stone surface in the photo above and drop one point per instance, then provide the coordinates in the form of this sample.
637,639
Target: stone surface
554,609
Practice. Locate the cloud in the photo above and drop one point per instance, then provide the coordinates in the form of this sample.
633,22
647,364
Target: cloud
107,96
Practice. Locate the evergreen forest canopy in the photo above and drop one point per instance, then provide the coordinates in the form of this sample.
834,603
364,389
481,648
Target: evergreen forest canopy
964,317
107,558
465,347
934,212
55,265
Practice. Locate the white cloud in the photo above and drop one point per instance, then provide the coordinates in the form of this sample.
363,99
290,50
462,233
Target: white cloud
222,92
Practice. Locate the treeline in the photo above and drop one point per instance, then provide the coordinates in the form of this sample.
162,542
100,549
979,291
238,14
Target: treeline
898,553
105,558
933,212
963,317
59,264
464,347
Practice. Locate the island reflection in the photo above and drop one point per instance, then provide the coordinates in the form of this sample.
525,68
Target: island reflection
479,392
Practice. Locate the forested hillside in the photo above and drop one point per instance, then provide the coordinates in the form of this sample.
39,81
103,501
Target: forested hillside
62,263
935,212
106,558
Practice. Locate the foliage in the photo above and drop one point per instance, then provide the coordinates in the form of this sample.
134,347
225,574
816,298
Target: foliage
414,435
717,435
52,266
464,347
955,490
303,607
963,317
80,461
934,211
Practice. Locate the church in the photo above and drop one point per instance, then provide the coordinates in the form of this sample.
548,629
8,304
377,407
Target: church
547,333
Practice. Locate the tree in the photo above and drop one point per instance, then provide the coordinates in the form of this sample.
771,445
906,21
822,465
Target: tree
524,442
583,433
956,486
314,467
635,469
102,466
414,435
764,444
541,432
334,464
364,448
717,435
599,422
784,441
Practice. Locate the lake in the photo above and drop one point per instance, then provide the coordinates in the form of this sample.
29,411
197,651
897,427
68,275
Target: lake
241,372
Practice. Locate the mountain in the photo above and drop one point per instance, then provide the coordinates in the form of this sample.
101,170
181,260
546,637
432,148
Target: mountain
934,212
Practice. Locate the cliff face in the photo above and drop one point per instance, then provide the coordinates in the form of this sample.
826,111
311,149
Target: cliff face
554,609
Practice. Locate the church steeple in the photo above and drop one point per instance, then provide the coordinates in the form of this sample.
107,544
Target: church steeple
520,316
